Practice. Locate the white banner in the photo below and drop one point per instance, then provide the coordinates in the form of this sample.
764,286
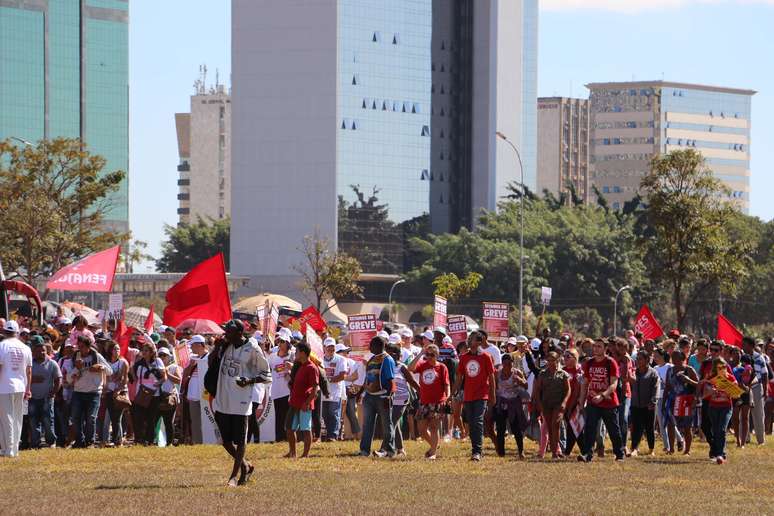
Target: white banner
115,305
210,433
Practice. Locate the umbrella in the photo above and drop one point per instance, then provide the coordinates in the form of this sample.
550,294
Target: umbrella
249,304
136,316
201,326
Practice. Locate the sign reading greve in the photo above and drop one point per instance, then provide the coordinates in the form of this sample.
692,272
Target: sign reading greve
496,319
361,329
458,328
647,324
439,312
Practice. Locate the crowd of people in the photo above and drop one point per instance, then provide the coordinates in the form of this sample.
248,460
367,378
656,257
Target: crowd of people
70,384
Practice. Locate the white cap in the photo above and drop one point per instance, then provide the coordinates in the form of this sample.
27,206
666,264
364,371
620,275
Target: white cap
329,341
512,341
394,338
447,340
284,334
428,335
341,347
522,338
383,334
197,339
24,330
535,343
164,351
11,326
163,328
406,332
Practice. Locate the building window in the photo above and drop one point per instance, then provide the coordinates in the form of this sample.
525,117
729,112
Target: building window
344,123
377,37
425,176
355,80
616,205
425,130
355,123
415,108
395,39
605,189
365,104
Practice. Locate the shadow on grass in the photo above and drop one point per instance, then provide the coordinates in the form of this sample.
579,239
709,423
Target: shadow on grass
145,487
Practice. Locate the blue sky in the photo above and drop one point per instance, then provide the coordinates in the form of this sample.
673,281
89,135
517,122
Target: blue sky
726,43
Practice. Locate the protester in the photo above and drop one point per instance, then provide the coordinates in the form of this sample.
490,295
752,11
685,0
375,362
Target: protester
509,411
400,399
335,370
46,379
281,362
87,378
476,370
626,368
191,388
742,368
353,387
679,401
169,395
304,384
433,394
573,414
15,387
149,373
550,396
644,390
757,387
720,404
379,386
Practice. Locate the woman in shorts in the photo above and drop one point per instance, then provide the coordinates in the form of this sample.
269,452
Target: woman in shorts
433,394
743,372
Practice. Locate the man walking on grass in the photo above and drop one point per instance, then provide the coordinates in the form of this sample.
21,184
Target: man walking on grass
15,382
242,364
304,386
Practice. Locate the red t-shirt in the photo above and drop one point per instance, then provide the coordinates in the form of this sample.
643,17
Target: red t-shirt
433,380
475,369
306,379
716,398
598,374
628,373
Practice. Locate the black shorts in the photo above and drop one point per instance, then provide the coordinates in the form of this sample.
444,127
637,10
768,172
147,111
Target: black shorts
233,427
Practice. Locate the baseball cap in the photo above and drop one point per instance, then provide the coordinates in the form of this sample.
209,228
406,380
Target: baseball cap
36,340
428,335
197,339
329,341
11,326
297,335
440,329
341,347
232,325
24,330
522,338
512,341
170,329
674,334
164,351
394,338
406,332
383,334
535,344
447,340
284,334
63,320
155,337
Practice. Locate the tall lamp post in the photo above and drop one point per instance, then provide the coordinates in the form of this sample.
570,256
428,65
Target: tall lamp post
389,302
521,233
615,306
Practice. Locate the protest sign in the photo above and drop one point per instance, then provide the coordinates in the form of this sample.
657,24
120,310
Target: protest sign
722,383
314,340
496,320
439,312
115,306
260,315
312,317
183,354
458,328
271,318
362,328
545,295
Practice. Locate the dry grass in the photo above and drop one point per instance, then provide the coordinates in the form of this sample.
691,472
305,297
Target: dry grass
191,479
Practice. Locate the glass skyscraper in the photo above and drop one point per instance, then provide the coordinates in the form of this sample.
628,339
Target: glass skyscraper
64,72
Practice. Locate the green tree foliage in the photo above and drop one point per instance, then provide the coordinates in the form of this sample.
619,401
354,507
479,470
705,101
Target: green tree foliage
54,206
327,275
190,244
583,322
690,246
453,288
134,253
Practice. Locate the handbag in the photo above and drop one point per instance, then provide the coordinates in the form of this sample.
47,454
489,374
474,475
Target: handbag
167,402
144,397
121,400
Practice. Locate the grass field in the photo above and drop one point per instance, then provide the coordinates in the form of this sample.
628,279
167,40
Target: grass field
191,479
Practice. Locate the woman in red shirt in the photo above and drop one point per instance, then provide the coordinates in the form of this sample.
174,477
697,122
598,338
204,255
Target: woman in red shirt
433,393
720,406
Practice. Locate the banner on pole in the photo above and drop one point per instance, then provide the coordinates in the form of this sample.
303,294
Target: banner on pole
115,306
210,432
647,324
458,328
545,295
361,329
439,312
496,320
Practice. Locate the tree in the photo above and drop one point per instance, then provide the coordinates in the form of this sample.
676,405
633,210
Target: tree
190,244
452,287
134,253
583,322
688,216
54,204
327,275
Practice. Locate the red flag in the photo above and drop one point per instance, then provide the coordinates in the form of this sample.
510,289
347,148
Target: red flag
647,324
93,273
201,294
149,321
728,333
311,316
123,336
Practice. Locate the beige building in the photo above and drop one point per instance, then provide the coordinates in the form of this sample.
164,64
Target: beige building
203,141
631,122
563,146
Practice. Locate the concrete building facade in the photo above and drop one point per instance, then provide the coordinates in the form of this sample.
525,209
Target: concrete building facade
204,150
631,122
371,121
563,146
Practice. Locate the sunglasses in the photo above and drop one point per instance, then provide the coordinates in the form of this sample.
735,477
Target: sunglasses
714,350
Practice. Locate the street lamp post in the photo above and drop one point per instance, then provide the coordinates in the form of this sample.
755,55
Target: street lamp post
389,302
521,233
20,140
615,306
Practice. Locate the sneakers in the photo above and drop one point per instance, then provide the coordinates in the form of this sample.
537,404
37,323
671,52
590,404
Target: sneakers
584,458
619,459
720,460
456,434
401,453
476,457
382,454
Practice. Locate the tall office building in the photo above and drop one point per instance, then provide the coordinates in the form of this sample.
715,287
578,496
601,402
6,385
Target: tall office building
372,121
204,143
563,146
631,122
64,72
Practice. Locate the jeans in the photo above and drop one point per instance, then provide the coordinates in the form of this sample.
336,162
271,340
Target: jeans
664,423
331,414
501,423
116,420
83,411
351,409
623,418
397,414
41,412
719,418
195,413
374,406
571,437
642,422
706,424
610,417
145,420
474,414
757,411
281,406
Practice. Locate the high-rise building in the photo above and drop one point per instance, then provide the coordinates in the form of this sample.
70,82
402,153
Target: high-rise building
64,72
204,149
631,122
563,146
372,121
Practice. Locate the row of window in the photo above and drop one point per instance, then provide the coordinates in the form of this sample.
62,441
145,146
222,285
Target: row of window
377,38
709,145
391,105
624,125
632,156
624,141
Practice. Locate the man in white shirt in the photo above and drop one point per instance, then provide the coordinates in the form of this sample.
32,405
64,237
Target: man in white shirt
335,370
15,383
242,364
353,385
493,352
408,349
193,388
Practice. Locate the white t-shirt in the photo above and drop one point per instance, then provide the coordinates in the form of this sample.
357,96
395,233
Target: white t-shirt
15,358
355,366
249,361
334,367
280,375
194,383
91,381
494,352
662,371
169,386
408,354
149,380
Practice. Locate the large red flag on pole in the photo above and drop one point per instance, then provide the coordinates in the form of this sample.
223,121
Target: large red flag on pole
148,326
647,324
728,333
93,273
201,294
